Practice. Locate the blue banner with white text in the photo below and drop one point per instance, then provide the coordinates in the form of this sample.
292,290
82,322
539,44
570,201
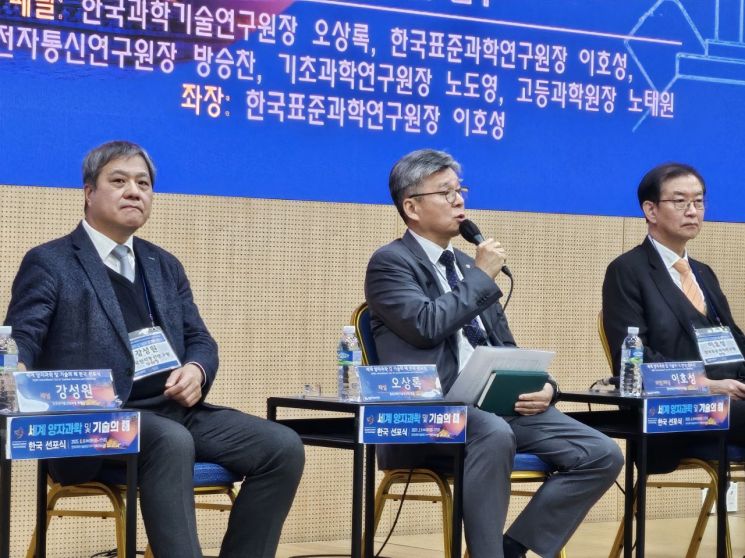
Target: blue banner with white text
413,424
551,106
73,435
689,413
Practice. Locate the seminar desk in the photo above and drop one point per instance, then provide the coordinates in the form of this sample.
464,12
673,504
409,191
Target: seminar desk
627,423
41,494
342,432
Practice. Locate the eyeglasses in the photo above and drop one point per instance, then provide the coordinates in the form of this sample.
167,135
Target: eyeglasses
451,195
683,205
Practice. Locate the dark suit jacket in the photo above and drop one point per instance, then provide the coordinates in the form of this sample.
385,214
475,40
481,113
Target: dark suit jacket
638,291
413,321
65,315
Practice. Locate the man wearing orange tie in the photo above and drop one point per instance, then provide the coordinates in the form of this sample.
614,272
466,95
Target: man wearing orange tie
670,297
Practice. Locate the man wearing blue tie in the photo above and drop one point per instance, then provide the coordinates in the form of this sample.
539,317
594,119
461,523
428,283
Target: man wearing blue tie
83,300
432,304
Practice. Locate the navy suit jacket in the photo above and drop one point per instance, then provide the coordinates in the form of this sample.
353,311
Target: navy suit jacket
65,315
638,291
414,321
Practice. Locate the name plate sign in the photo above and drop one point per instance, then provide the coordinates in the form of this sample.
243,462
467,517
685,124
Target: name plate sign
674,378
65,390
400,382
73,435
413,424
689,413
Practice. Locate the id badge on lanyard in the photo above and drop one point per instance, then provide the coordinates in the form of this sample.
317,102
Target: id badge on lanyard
716,345
152,352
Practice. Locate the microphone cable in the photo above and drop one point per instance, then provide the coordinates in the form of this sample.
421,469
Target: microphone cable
387,538
509,293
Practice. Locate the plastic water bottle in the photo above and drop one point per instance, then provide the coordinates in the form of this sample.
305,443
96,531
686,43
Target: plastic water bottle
349,357
8,365
632,356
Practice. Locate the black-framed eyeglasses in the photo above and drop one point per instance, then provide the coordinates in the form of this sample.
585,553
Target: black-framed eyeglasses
451,194
683,205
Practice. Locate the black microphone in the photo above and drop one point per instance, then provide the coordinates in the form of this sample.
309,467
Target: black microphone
472,234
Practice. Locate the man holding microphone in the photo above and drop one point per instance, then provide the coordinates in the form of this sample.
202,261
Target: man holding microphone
432,304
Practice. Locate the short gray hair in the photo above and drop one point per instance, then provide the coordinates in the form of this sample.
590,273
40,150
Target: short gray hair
411,169
98,157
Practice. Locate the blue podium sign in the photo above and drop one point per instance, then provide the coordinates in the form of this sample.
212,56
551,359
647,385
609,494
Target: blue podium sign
686,413
413,424
401,382
73,435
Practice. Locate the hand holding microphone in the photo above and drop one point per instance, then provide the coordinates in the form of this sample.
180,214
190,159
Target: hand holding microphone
490,255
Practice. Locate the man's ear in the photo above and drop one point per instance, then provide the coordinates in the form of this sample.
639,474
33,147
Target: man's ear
411,209
650,211
87,189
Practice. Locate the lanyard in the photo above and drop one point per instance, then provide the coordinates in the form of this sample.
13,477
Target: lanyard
147,297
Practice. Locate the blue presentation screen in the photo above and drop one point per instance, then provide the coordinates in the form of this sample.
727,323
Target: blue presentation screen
550,105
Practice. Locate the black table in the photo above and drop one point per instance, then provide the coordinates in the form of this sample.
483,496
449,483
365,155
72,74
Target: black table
627,423
342,432
41,499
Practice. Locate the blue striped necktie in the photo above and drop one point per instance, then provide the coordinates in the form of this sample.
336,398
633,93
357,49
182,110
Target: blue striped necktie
475,335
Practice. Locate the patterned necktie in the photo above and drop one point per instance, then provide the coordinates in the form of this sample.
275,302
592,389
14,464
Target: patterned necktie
690,289
121,253
475,335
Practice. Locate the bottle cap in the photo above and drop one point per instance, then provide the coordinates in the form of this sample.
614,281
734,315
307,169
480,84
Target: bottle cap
633,330
348,330
6,330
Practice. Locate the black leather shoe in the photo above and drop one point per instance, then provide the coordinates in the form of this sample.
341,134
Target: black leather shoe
512,548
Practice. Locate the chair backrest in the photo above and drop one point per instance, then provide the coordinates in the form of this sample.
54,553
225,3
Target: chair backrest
363,329
604,341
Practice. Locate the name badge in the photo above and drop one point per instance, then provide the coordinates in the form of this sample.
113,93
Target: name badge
717,346
152,352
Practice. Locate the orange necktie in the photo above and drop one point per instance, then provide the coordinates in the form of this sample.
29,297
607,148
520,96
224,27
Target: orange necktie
690,288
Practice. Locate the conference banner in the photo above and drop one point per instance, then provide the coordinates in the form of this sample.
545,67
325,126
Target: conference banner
73,435
690,413
413,424
551,105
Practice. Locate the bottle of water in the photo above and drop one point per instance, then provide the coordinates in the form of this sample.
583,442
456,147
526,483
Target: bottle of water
8,365
349,357
632,356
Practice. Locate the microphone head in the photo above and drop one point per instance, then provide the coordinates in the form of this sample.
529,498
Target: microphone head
470,232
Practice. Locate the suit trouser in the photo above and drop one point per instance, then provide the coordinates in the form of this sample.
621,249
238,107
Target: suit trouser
270,455
587,463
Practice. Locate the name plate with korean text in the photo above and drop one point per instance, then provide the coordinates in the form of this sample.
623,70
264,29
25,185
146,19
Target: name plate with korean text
674,378
688,413
65,390
400,382
73,435
413,424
